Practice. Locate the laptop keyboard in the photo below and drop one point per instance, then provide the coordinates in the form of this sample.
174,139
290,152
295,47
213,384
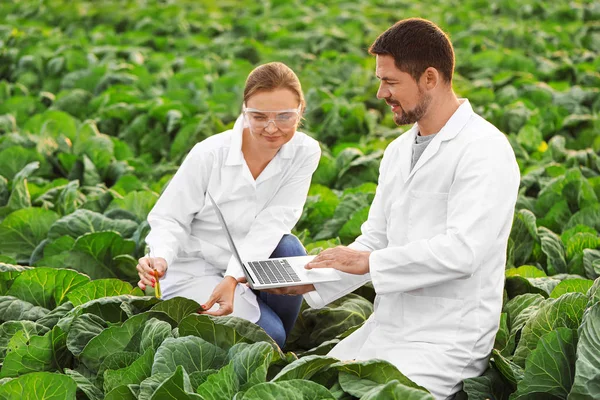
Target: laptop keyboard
274,271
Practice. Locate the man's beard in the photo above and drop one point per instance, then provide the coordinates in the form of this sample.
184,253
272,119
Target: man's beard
414,115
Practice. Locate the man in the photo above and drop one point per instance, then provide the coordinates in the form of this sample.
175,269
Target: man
434,244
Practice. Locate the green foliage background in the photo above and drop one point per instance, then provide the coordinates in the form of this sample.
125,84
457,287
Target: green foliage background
100,102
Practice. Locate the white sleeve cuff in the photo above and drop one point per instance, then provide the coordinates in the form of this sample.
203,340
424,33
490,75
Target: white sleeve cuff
166,253
359,247
326,292
314,299
234,268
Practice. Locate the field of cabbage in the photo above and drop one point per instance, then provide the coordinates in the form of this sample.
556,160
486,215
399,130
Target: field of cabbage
100,102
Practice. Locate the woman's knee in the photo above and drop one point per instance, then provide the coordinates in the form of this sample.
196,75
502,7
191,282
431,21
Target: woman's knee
289,246
270,322
274,329
278,334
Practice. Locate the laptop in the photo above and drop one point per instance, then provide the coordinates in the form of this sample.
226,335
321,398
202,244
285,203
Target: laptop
276,272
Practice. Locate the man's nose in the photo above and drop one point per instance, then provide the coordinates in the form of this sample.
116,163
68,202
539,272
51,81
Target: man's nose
382,93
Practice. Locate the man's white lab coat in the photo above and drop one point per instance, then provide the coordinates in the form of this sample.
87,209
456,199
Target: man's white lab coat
185,229
438,236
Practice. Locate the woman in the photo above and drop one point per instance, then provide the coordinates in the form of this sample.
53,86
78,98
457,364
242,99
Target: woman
259,173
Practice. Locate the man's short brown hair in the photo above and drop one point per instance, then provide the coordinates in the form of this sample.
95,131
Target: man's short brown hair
417,44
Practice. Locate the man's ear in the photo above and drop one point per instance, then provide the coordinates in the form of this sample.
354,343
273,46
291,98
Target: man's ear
431,78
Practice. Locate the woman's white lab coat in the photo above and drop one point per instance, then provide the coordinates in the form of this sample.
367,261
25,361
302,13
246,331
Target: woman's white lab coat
185,230
438,236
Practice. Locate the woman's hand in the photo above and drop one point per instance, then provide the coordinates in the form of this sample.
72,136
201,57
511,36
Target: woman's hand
291,290
146,267
288,290
223,295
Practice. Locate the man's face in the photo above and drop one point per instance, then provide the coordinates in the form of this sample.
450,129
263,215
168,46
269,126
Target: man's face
408,99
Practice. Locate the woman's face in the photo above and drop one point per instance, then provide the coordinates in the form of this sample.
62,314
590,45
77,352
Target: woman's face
273,117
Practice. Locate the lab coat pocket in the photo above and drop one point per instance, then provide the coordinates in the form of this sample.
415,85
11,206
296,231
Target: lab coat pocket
388,310
427,214
431,319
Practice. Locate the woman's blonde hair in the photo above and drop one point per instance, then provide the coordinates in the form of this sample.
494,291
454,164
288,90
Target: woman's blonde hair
272,76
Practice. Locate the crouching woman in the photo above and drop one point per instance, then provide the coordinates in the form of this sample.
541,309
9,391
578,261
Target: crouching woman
259,174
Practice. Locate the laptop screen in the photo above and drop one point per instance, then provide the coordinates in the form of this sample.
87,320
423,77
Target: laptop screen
227,233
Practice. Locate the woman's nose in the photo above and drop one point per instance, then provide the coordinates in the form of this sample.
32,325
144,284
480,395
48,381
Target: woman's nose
271,128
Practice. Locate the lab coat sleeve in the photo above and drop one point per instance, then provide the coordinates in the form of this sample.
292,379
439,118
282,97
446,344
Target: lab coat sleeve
278,217
480,205
171,217
373,237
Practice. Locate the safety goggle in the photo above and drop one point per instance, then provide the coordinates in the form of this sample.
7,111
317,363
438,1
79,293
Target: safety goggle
259,119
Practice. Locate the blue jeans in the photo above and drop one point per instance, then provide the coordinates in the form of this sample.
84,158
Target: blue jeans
278,313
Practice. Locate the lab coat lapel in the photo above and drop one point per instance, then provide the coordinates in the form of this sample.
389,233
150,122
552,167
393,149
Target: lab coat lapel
448,132
429,152
272,169
405,155
235,157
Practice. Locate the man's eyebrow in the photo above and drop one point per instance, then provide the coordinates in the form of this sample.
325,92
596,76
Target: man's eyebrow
385,78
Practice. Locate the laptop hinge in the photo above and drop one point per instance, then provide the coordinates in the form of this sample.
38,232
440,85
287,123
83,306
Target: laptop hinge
248,273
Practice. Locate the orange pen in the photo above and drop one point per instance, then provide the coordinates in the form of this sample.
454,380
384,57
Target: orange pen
157,292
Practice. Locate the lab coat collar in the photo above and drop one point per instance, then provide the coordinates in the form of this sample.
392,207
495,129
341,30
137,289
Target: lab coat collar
448,132
287,150
235,155
457,121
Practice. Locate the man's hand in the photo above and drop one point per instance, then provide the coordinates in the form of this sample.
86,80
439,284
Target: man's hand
343,259
146,267
223,295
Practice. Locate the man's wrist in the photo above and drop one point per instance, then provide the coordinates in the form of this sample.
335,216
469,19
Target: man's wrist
366,262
